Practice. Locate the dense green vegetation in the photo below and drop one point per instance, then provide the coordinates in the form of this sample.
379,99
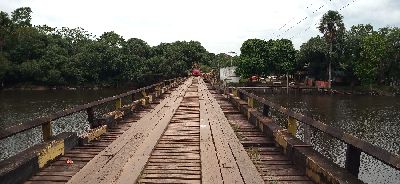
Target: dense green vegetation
360,55
273,57
42,55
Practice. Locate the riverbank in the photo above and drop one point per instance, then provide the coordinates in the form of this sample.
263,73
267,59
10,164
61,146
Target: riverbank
31,87
375,90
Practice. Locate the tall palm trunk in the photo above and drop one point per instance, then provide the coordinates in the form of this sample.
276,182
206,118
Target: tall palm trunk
330,67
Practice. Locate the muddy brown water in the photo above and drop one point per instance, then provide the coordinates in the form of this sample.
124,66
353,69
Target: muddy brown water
375,119
21,106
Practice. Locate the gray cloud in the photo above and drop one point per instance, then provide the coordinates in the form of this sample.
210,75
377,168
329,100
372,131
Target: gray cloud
221,26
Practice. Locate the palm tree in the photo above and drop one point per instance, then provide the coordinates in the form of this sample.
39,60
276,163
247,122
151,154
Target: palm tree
331,25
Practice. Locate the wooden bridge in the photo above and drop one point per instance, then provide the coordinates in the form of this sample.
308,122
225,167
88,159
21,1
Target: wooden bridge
183,131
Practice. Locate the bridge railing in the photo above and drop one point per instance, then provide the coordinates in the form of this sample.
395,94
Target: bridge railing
46,121
354,145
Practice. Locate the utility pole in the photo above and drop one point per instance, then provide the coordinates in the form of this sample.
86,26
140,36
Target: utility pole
232,54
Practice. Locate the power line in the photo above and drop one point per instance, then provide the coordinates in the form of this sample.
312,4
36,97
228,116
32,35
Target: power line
300,21
307,17
343,7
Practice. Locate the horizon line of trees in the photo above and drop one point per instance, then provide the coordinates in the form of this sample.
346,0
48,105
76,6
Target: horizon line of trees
361,55
44,55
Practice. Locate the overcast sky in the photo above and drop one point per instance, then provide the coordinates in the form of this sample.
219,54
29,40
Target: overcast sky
220,25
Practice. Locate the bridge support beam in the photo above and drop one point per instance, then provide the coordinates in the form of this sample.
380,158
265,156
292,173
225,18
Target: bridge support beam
91,118
118,103
292,126
46,131
352,164
265,110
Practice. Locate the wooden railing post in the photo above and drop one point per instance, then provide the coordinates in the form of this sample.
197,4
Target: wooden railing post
118,103
307,133
292,126
156,91
352,164
144,99
133,97
250,102
90,114
46,131
265,110
235,92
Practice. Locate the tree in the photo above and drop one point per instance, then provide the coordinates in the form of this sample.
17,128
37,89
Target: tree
254,58
283,55
5,26
393,56
4,68
372,54
352,49
332,26
22,17
312,56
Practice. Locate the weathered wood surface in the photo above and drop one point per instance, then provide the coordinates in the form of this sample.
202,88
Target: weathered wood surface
234,164
81,155
192,136
124,159
176,158
271,163
377,152
13,130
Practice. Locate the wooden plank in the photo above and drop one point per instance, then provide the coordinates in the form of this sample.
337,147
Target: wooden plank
172,171
210,168
189,181
172,176
50,178
126,157
229,149
135,165
44,182
286,178
188,141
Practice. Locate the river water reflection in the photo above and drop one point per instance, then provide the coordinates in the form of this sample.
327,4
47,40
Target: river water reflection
374,119
21,106
371,118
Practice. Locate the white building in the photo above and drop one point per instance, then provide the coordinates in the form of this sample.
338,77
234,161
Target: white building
228,74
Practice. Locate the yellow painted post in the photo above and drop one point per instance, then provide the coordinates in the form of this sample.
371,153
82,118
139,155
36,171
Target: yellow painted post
144,99
157,91
250,102
118,103
292,126
235,92
46,131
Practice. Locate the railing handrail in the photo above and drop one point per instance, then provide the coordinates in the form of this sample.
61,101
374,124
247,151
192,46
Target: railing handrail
381,154
24,126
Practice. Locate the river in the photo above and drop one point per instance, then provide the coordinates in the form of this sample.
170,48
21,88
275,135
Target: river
21,106
375,119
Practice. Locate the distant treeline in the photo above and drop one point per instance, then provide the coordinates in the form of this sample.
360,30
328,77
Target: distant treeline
360,55
44,55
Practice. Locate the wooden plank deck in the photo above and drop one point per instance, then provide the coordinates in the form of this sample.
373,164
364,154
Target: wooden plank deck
176,157
235,165
191,136
271,163
60,172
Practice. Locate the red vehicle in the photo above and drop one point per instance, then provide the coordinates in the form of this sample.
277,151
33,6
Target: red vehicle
196,72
